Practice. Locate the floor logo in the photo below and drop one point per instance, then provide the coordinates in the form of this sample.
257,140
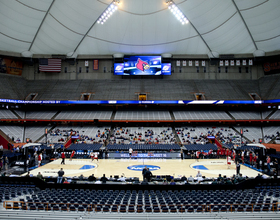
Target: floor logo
141,167
200,167
86,167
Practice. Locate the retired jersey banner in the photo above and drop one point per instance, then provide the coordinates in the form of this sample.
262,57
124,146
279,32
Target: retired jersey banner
196,63
244,62
251,62
184,63
226,62
11,66
232,62
190,62
178,63
237,62
203,63
221,62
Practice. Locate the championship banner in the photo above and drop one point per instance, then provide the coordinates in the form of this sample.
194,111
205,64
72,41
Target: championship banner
95,64
226,62
184,63
11,66
190,62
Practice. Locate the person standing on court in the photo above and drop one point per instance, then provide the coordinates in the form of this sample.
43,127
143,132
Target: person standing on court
60,176
237,168
148,175
182,154
268,164
144,171
72,155
63,158
130,152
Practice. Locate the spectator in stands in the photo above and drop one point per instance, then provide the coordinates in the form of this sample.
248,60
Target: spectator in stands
122,179
259,176
198,174
6,162
39,175
81,177
92,178
172,182
104,179
191,179
28,174
184,178
111,178
60,175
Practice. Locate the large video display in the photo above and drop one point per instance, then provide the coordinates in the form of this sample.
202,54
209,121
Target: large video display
142,65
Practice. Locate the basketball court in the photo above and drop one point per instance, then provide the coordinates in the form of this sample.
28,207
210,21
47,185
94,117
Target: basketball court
133,167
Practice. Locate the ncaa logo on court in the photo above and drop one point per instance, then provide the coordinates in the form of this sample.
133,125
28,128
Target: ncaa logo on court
141,167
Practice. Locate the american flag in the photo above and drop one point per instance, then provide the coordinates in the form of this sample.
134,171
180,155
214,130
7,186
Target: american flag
50,65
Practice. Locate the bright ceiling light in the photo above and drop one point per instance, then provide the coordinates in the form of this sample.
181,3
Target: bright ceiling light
177,12
108,12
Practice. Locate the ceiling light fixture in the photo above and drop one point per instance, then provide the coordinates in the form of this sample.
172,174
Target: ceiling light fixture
108,12
177,12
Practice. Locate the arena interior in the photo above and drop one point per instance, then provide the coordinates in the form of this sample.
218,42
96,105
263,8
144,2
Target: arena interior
139,109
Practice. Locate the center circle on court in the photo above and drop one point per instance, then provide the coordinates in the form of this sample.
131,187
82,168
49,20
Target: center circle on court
141,167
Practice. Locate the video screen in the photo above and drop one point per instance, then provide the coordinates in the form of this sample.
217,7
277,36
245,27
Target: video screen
142,65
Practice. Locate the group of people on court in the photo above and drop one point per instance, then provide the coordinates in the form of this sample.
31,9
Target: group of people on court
147,174
93,155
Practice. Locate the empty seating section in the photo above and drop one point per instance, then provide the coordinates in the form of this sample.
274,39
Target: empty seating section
201,115
21,114
252,133
47,115
13,131
242,115
143,147
199,134
199,147
275,115
142,115
93,147
265,114
85,134
34,133
271,133
7,114
142,135
148,201
84,115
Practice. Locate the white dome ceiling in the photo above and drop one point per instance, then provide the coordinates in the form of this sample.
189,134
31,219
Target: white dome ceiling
139,27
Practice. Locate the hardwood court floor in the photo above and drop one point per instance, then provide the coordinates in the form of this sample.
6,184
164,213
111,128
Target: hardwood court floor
173,167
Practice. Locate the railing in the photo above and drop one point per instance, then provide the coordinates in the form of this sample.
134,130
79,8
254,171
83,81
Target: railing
209,208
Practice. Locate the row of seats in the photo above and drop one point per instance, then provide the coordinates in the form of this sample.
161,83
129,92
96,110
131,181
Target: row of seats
149,200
